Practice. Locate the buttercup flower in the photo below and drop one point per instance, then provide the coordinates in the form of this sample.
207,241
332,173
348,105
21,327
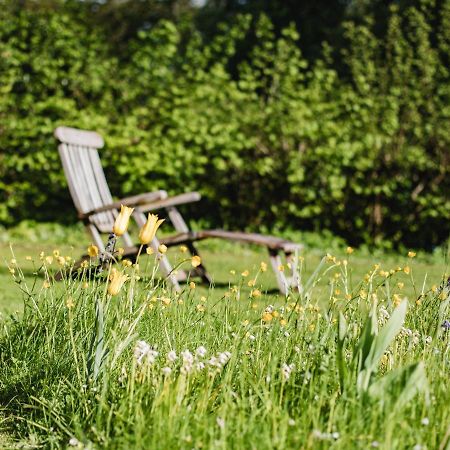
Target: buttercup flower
162,248
196,261
148,231
121,222
117,279
92,251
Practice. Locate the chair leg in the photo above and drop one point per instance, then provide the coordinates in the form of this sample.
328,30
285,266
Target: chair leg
201,269
292,260
276,263
165,266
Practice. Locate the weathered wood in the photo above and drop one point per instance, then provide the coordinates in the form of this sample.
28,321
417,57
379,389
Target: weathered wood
135,200
75,136
182,199
270,242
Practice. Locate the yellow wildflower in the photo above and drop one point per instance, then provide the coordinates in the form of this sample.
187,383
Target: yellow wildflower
120,251
407,270
28,258
56,253
396,299
148,231
283,322
117,279
191,285
122,220
127,263
349,250
330,258
266,317
92,251
149,251
411,254
49,259
196,261
281,268
162,249
251,283
183,249
200,307
69,303
46,284
166,301
61,260
255,293
263,266
245,273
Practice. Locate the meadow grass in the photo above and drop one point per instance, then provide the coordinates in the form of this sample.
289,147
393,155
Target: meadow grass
357,359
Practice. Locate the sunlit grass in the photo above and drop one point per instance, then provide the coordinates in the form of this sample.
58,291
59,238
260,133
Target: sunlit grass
236,365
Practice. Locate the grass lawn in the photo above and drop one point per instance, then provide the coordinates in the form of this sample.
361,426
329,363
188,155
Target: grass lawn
347,363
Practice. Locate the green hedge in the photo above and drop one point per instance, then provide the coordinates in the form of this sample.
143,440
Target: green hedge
272,142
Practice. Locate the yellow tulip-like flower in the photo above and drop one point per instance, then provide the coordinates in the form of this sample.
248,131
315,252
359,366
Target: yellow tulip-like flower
148,231
121,222
117,279
92,251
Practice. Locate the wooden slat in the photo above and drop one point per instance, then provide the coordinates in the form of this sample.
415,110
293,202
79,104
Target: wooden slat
270,242
79,137
135,200
182,199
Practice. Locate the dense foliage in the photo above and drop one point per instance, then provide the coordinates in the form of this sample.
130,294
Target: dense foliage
355,141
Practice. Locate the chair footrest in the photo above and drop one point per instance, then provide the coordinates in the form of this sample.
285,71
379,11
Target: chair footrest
271,242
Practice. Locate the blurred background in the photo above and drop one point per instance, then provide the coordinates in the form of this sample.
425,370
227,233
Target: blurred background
328,116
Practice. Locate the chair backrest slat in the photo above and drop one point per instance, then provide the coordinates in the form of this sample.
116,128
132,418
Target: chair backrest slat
84,173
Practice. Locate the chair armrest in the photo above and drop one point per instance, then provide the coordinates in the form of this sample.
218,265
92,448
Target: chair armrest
135,200
182,199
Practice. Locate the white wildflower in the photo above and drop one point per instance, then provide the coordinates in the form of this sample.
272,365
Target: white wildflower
220,423
291,422
224,357
425,421
201,351
269,309
200,366
172,356
286,370
166,371
142,351
74,442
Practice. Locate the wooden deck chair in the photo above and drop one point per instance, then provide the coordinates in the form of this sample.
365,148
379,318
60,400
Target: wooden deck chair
78,150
